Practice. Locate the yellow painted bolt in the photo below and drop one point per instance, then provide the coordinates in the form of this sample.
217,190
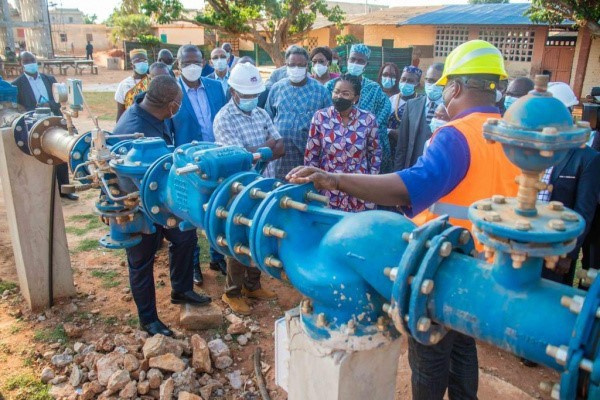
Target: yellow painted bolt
484,206
556,224
271,261
556,206
241,249
321,321
464,238
498,199
492,216
221,213
569,216
257,194
427,286
287,202
312,196
171,222
239,219
221,241
269,230
423,324
237,187
445,249
522,225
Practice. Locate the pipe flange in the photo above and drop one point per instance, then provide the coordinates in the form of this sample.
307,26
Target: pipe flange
422,327
20,127
408,267
36,136
153,187
108,242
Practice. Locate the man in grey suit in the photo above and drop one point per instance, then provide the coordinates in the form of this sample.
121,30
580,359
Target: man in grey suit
414,129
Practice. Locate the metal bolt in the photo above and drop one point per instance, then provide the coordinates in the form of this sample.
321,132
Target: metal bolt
351,327
257,194
427,286
221,212
221,241
546,153
522,225
556,206
588,275
271,261
569,216
435,337
574,304
167,166
381,324
583,124
155,210
239,219
321,321
556,224
445,249
20,143
393,274
50,161
549,130
179,151
423,324
194,142
406,236
484,206
171,222
241,249
550,262
37,152
114,191
307,306
237,187
35,135
287,202
464,237
518,259
492,216
18,128
586,365
87,139
498,199
560,354
153,186
76,155
387,308
312,196
204,176
269,230
205,206
386,271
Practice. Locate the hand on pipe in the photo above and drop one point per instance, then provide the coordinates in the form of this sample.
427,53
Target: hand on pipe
321,179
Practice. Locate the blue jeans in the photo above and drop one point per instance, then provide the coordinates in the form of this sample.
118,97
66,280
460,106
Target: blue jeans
452,364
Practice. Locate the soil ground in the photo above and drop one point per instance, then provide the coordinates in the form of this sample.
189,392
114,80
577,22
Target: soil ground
103,304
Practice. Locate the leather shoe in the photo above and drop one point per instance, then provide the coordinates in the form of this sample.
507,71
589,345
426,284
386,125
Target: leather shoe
220,265
190,297
198,279
156,327
69,196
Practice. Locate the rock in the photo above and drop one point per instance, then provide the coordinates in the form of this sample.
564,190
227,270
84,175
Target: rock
235,379
126,297
129,391
167,362
108,365
237,329
200,317
40,318
228,337
90,348
254,328
167,389
62,391
159,345
125,340
76,377
143,387
55,346
200,355
186,346
78,346
117,381
185,381
188,396
48,355
155,378
242,340
206,391
90,360
57,380
130,362
140,336
218,348
234,319
223,362
90,390
61,360
72,330
47,375
105,343
92,375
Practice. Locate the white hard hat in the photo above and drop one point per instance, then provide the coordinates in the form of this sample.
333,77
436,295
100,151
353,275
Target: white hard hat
245,79
564,93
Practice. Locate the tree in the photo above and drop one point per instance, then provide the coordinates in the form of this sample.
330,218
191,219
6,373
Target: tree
582,12
272,24
130,27
90,19
343,40
488,1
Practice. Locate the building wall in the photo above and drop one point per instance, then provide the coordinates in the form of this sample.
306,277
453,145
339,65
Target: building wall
59,16
181,33
403,36
77,38
317,37
592,72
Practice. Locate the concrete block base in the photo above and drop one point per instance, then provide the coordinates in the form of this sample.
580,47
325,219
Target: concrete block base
199,318
320,373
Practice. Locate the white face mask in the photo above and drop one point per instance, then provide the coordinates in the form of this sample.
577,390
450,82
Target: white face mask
192,72
319,69
498,96
296,74
220,64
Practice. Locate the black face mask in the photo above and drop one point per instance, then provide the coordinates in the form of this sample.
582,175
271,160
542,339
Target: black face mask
341,104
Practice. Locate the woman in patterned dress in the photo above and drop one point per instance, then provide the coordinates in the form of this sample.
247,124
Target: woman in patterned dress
343,138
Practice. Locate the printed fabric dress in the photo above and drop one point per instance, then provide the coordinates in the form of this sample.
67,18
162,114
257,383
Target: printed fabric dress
352,149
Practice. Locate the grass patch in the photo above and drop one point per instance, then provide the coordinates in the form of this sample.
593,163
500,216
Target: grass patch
112,320
27,387
133,321
108,277
91,222
204,249
14,329
102,104
87,245
6,285
83,218
51,335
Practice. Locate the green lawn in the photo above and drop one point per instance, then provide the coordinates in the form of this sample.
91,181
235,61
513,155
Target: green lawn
102,104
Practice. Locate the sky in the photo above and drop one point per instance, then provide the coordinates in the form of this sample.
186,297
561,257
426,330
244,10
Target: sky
103,8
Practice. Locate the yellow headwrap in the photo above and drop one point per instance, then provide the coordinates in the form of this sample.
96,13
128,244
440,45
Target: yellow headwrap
136,52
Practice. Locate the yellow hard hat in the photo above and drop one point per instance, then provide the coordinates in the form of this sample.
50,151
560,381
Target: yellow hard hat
474,57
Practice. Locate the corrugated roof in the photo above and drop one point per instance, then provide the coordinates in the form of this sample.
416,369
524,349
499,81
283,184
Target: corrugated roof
391,16
475,14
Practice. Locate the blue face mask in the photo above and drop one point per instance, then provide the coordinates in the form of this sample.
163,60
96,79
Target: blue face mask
141,68
508,100
433,91
388,82
248,105
436,123
355,69
407,89
30,69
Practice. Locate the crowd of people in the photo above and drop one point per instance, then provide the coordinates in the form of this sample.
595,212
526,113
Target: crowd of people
404,142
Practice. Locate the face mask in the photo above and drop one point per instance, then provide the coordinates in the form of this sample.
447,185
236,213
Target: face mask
508,100
192,72
436,123
319,69
173,113
248,105
597,98
407,89
433,91
31,69
220,64
355,69
296,74
341,104
447,102
141,68
228,54
334,62
388,82
498,96
170,67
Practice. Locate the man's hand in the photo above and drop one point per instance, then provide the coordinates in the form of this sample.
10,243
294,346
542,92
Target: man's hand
321,179
271,143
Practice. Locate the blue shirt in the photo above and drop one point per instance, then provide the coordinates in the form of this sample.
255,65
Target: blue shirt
441,168
136,119
199,101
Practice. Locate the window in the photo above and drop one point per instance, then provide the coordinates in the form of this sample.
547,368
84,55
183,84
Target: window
312,43
447,38
561,41
163,38
515,44
70,20
89,37
63,37
387,43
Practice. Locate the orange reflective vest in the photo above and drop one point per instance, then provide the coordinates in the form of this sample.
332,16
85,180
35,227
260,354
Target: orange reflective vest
490,172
